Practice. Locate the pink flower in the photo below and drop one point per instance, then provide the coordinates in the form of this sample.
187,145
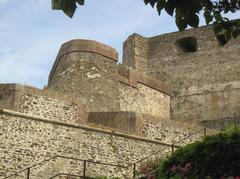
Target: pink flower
188,166
174,169
151,177
184,171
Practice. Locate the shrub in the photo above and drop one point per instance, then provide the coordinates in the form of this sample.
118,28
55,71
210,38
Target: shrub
148,166
215,157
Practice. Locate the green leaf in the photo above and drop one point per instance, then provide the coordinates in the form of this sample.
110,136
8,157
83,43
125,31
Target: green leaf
181,22
160,6
193,20
195,6
57,4
208,17
208,4
69,7
237,22
235,33
146,1
169,7
228,35
228,25
218,16
152,3
80,2
217,28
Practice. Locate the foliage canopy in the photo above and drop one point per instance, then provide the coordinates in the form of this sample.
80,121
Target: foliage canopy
214,157
185,12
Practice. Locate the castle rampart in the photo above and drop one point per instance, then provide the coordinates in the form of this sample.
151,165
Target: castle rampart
201,71
94,108
28,140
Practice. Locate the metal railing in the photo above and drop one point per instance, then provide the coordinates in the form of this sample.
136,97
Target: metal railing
170,148
235,124
131,166
84,169
70,176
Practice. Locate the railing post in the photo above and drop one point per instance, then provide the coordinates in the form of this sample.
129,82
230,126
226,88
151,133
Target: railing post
134,170
28,173
172,147
205,131
234,120
84,169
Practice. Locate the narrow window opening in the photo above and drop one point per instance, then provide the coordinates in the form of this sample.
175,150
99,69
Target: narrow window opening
187,44
221,39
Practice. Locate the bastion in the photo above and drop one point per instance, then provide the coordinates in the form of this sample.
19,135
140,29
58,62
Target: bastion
167,89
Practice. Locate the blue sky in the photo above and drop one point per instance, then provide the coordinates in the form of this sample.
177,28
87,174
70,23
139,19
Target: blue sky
31,33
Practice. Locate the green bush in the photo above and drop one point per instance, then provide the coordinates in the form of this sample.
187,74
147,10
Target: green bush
214,157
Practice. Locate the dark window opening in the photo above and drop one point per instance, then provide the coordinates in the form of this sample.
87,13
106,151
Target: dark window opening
187,44
221,39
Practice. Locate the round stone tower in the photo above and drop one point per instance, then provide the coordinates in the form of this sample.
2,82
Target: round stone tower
87,70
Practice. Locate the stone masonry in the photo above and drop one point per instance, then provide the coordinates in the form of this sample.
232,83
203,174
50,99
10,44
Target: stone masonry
167,88
201,71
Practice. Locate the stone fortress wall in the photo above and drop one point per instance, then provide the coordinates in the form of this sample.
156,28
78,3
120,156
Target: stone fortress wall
96,109
36,102
202,72
27,140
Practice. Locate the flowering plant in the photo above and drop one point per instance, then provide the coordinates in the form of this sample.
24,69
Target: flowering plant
183,171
